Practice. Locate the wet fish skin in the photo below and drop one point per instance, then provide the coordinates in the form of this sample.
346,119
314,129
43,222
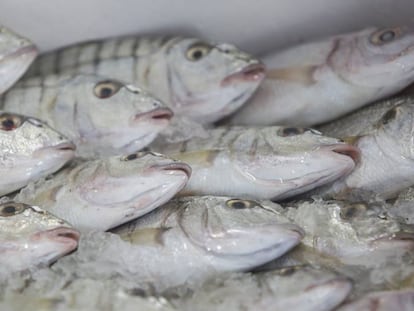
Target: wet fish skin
104,193
385,167
16,54
102,116
29,150
31,237
402,300
200,80
355,234
210,234
320,81
294,288
263,163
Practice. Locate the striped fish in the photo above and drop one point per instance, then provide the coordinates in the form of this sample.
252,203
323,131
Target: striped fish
197,79
16,54
264,163
101,116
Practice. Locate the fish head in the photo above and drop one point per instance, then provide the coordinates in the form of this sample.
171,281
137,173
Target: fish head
395,131
354,233
125,187
243,233
16,54
30,150
208,81
382,58
109,115
31,236
289,160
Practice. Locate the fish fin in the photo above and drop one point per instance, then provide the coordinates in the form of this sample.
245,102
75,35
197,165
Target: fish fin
145,236
304,75
200,157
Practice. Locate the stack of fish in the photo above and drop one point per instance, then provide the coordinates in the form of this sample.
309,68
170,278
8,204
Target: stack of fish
157,163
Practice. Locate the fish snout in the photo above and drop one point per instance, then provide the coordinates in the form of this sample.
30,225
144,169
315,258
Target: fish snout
63,235
349,150
175,166
157,114
250,73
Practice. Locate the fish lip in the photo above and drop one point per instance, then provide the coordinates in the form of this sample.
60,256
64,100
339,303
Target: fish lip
349,150
252,72
25,50
163,114
68,146
181,166
65,235
337,282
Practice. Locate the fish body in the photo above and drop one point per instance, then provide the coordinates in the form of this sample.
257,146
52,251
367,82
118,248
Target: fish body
186,241
320,81
196,79
387,151
31,237
292,288
16,54
29,150
264,163
102,116
402,300
104,193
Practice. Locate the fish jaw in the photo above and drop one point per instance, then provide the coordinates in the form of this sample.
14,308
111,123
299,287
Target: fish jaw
324,296
15,64
244,248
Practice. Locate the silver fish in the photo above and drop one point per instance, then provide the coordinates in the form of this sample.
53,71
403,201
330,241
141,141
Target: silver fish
200,80
264,163
102,194
16,54
351,234
31,237
102,116
184,242
29,150
402,300
292,288
316,82
385,167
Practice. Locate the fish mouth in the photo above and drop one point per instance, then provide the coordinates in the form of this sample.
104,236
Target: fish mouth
345,149
69,146
63,235
163,114
176,166
250,73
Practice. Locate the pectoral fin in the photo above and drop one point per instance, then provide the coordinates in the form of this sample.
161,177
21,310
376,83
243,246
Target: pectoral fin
145,236
304,75
202,158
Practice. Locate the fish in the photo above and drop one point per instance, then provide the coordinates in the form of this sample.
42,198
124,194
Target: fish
102,116
31,238
200,80
402,300
16,55
105,193
357,234
261,163
317,82
386,153
184,242
29,150
300,288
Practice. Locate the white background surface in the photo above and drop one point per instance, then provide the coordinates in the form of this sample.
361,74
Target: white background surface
254,25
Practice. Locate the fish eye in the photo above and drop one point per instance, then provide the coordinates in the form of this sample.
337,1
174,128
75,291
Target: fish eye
106,89
241,204
10,122
11,208
290,131
352,210
134,156
198,51
385,36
